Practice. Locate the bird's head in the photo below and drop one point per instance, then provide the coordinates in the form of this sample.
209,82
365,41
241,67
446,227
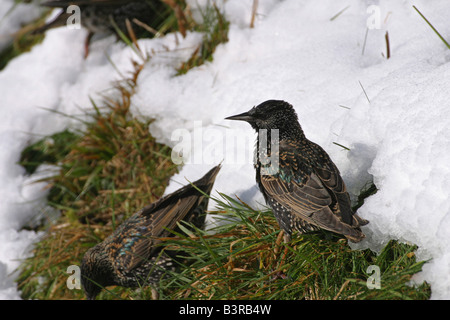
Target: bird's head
94,272
272,114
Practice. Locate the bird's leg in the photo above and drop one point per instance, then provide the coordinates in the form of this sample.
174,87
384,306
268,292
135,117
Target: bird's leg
277,243
286,237
86,44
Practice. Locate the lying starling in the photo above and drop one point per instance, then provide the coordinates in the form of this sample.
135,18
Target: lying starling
131,256
99,16
307,192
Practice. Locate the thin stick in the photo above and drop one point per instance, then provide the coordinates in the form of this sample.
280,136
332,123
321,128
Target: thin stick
388,49
341,289
131,33
146,27
340,145
339,13
364,91
434,29
365,39
254,8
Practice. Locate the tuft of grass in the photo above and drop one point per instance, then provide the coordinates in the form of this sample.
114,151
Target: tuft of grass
215,31
242,256
246,258
22,41
107,171
47,150
181,15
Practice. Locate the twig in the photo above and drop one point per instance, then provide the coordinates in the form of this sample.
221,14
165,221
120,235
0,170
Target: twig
339,13
364,91
146,27
434,29
342,146
388,49
254,8
365,39
342,289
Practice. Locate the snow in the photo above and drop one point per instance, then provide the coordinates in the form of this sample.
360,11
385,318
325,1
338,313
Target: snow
398,135
12,16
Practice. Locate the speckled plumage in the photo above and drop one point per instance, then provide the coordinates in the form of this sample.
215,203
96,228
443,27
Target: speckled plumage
131,256
307,192
96,15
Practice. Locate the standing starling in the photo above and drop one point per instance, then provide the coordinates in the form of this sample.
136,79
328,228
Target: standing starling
307,192
131,256
99,16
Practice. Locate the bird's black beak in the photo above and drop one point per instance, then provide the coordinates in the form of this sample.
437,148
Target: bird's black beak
242,117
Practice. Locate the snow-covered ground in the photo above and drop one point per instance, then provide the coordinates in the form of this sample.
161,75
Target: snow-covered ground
398,135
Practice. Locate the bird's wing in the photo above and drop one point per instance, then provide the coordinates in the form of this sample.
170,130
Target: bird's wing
311,194
140,235
332,181
304,199
157,225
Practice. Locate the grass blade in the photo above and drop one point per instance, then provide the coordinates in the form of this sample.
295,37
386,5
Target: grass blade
432,27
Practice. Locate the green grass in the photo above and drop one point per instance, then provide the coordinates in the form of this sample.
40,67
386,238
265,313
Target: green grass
47,150
242,259
247,259
111,171
113,167
433,28
215,31
22,41
107,171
